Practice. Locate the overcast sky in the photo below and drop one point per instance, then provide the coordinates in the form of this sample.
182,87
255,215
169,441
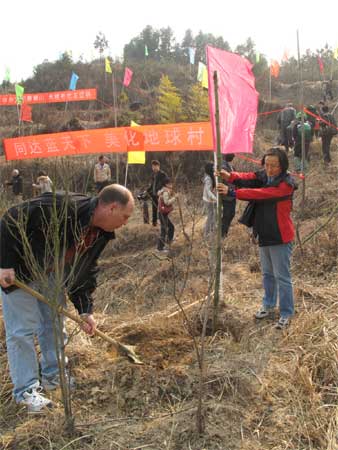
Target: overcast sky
34,30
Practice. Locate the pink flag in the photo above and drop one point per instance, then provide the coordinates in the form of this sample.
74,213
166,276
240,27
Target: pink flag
127,77
237,97
321,65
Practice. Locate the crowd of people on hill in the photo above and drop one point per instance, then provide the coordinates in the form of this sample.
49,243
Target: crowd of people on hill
298,127
93,219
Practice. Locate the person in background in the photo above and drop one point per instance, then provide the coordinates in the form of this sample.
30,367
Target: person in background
156,184
327,90
313,121
102,174
228,203
269,192
297,131
328,129
209,199
166,200
321,104
143,198
43,183
17,185
284,119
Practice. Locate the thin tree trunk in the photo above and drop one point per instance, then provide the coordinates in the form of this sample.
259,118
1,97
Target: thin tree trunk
218,251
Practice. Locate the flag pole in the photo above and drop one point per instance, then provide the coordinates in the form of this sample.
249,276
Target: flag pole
18,107
115,124
334,108
331,69
301,102
218,255
125,179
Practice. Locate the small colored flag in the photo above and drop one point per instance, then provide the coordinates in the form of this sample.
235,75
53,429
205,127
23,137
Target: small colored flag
321,65
73,81
26,113
335,53
205,83
238,100
274,68
146,50
7,74
128,73
108,67
138,157
201,67
258,57
202,74
192,52
19,90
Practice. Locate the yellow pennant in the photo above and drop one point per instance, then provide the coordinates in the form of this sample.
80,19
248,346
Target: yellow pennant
136,157
108,68
335,53
205,78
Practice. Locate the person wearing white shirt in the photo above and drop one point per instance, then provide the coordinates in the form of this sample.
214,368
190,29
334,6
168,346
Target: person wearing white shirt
102,174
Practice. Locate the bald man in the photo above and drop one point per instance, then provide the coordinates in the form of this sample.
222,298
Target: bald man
75,227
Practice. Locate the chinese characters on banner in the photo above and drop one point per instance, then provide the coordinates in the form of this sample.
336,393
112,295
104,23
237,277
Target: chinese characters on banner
195,136
50,97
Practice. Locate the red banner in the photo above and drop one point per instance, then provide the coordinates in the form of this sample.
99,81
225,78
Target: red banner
50,97
195,136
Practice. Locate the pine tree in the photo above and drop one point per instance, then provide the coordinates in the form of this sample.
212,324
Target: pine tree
169,106
196,107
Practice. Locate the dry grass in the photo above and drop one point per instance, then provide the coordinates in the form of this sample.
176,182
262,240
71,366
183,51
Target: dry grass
264,389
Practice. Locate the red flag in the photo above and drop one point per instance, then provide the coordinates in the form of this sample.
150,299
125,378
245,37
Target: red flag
26,113
321,65
274,68
238,100
127,77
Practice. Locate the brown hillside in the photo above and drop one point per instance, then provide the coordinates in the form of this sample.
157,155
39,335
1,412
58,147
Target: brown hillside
262,389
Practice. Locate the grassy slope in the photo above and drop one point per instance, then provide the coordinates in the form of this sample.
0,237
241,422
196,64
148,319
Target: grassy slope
263,389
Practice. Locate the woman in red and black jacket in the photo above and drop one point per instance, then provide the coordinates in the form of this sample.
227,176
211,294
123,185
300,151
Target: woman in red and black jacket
269,192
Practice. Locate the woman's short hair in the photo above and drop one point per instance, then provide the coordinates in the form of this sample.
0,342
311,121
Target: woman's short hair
281,155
